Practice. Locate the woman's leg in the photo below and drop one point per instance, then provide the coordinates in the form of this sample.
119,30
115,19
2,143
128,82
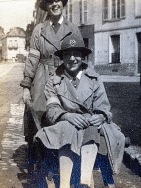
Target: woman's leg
88,156
66,165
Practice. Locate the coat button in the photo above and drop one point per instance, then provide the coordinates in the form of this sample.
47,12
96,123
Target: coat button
50,56
50,73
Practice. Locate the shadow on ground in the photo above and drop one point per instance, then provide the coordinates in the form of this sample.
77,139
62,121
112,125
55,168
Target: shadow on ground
37,179
50,163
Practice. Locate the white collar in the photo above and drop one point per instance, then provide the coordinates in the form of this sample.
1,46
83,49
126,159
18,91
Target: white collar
79,75
60,21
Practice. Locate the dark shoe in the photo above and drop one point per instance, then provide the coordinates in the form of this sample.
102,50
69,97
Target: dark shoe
83,186
127,142
50,175
72,186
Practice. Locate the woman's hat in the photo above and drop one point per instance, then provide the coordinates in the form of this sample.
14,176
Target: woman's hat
73,42
44,2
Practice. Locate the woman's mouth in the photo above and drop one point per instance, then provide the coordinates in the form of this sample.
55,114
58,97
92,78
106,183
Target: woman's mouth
56,8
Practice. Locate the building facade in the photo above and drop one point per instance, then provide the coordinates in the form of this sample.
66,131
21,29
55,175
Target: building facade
1,36
13,43
117,33
112,30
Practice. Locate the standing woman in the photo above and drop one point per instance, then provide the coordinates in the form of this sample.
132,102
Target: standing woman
41,63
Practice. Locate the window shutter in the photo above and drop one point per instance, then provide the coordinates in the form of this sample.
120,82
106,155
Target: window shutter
122,8
105,9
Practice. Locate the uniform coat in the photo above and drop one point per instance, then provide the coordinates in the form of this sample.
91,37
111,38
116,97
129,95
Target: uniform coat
40,65
89,98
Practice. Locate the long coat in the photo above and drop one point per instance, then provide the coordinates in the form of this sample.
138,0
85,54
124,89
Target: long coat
90,98
40,65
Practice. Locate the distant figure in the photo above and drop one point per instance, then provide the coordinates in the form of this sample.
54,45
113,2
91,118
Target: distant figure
79,120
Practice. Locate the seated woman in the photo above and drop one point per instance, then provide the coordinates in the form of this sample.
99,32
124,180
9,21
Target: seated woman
78,115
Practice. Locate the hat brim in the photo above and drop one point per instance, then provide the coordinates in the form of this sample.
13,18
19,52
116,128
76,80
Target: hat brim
44,3
85,51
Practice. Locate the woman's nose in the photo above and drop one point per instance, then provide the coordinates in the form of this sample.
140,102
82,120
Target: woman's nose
72,58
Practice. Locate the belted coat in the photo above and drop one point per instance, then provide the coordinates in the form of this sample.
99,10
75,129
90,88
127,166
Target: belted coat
89,98
40,65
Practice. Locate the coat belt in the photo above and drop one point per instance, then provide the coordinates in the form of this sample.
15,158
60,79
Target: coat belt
50,65
55,62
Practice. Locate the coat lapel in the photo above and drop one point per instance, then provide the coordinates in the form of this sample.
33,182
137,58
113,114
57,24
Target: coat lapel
85,88
67,91
54,39
87,83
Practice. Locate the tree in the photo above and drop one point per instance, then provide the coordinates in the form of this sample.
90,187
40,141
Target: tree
28,32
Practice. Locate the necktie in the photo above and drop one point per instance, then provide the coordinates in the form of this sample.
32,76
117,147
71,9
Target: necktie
75,82
56,27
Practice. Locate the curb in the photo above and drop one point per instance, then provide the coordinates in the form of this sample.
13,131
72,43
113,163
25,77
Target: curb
120,78
132,159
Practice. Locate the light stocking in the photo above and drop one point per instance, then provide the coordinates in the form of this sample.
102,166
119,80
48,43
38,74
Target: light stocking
88,156
66,165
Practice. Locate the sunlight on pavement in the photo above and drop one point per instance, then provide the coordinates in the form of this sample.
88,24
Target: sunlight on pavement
12,137
5,68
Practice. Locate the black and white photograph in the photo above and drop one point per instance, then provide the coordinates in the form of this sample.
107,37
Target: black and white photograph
70,93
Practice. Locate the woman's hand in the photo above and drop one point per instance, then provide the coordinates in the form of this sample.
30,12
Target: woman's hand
75,119
26,97
97,119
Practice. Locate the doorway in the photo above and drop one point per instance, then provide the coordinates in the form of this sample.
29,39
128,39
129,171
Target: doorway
115,49
139,51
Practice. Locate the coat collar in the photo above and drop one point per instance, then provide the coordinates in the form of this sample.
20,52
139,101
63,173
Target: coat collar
60,21
67,90
48,33
86,70
91,73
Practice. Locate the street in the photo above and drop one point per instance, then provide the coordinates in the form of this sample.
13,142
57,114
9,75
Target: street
126,109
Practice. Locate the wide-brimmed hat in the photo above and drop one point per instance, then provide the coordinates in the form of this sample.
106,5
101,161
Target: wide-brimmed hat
44,2
73,42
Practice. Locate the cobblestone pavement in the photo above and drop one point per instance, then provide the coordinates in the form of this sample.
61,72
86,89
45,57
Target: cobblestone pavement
13,148
13,163
12,140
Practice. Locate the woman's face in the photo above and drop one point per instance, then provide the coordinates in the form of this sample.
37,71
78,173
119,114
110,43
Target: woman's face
55,8
72,61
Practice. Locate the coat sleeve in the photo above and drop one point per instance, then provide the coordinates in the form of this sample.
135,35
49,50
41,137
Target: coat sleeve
101,103
33,58
54,108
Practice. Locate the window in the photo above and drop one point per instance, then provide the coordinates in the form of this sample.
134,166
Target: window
83,11
80,8
122,8
105,9
15,45
138,8
69,11
113,9
10,45
66,11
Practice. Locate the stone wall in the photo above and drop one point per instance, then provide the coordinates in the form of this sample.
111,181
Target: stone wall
127,69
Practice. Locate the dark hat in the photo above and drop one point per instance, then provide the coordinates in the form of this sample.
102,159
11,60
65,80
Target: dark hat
44,2
73,42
